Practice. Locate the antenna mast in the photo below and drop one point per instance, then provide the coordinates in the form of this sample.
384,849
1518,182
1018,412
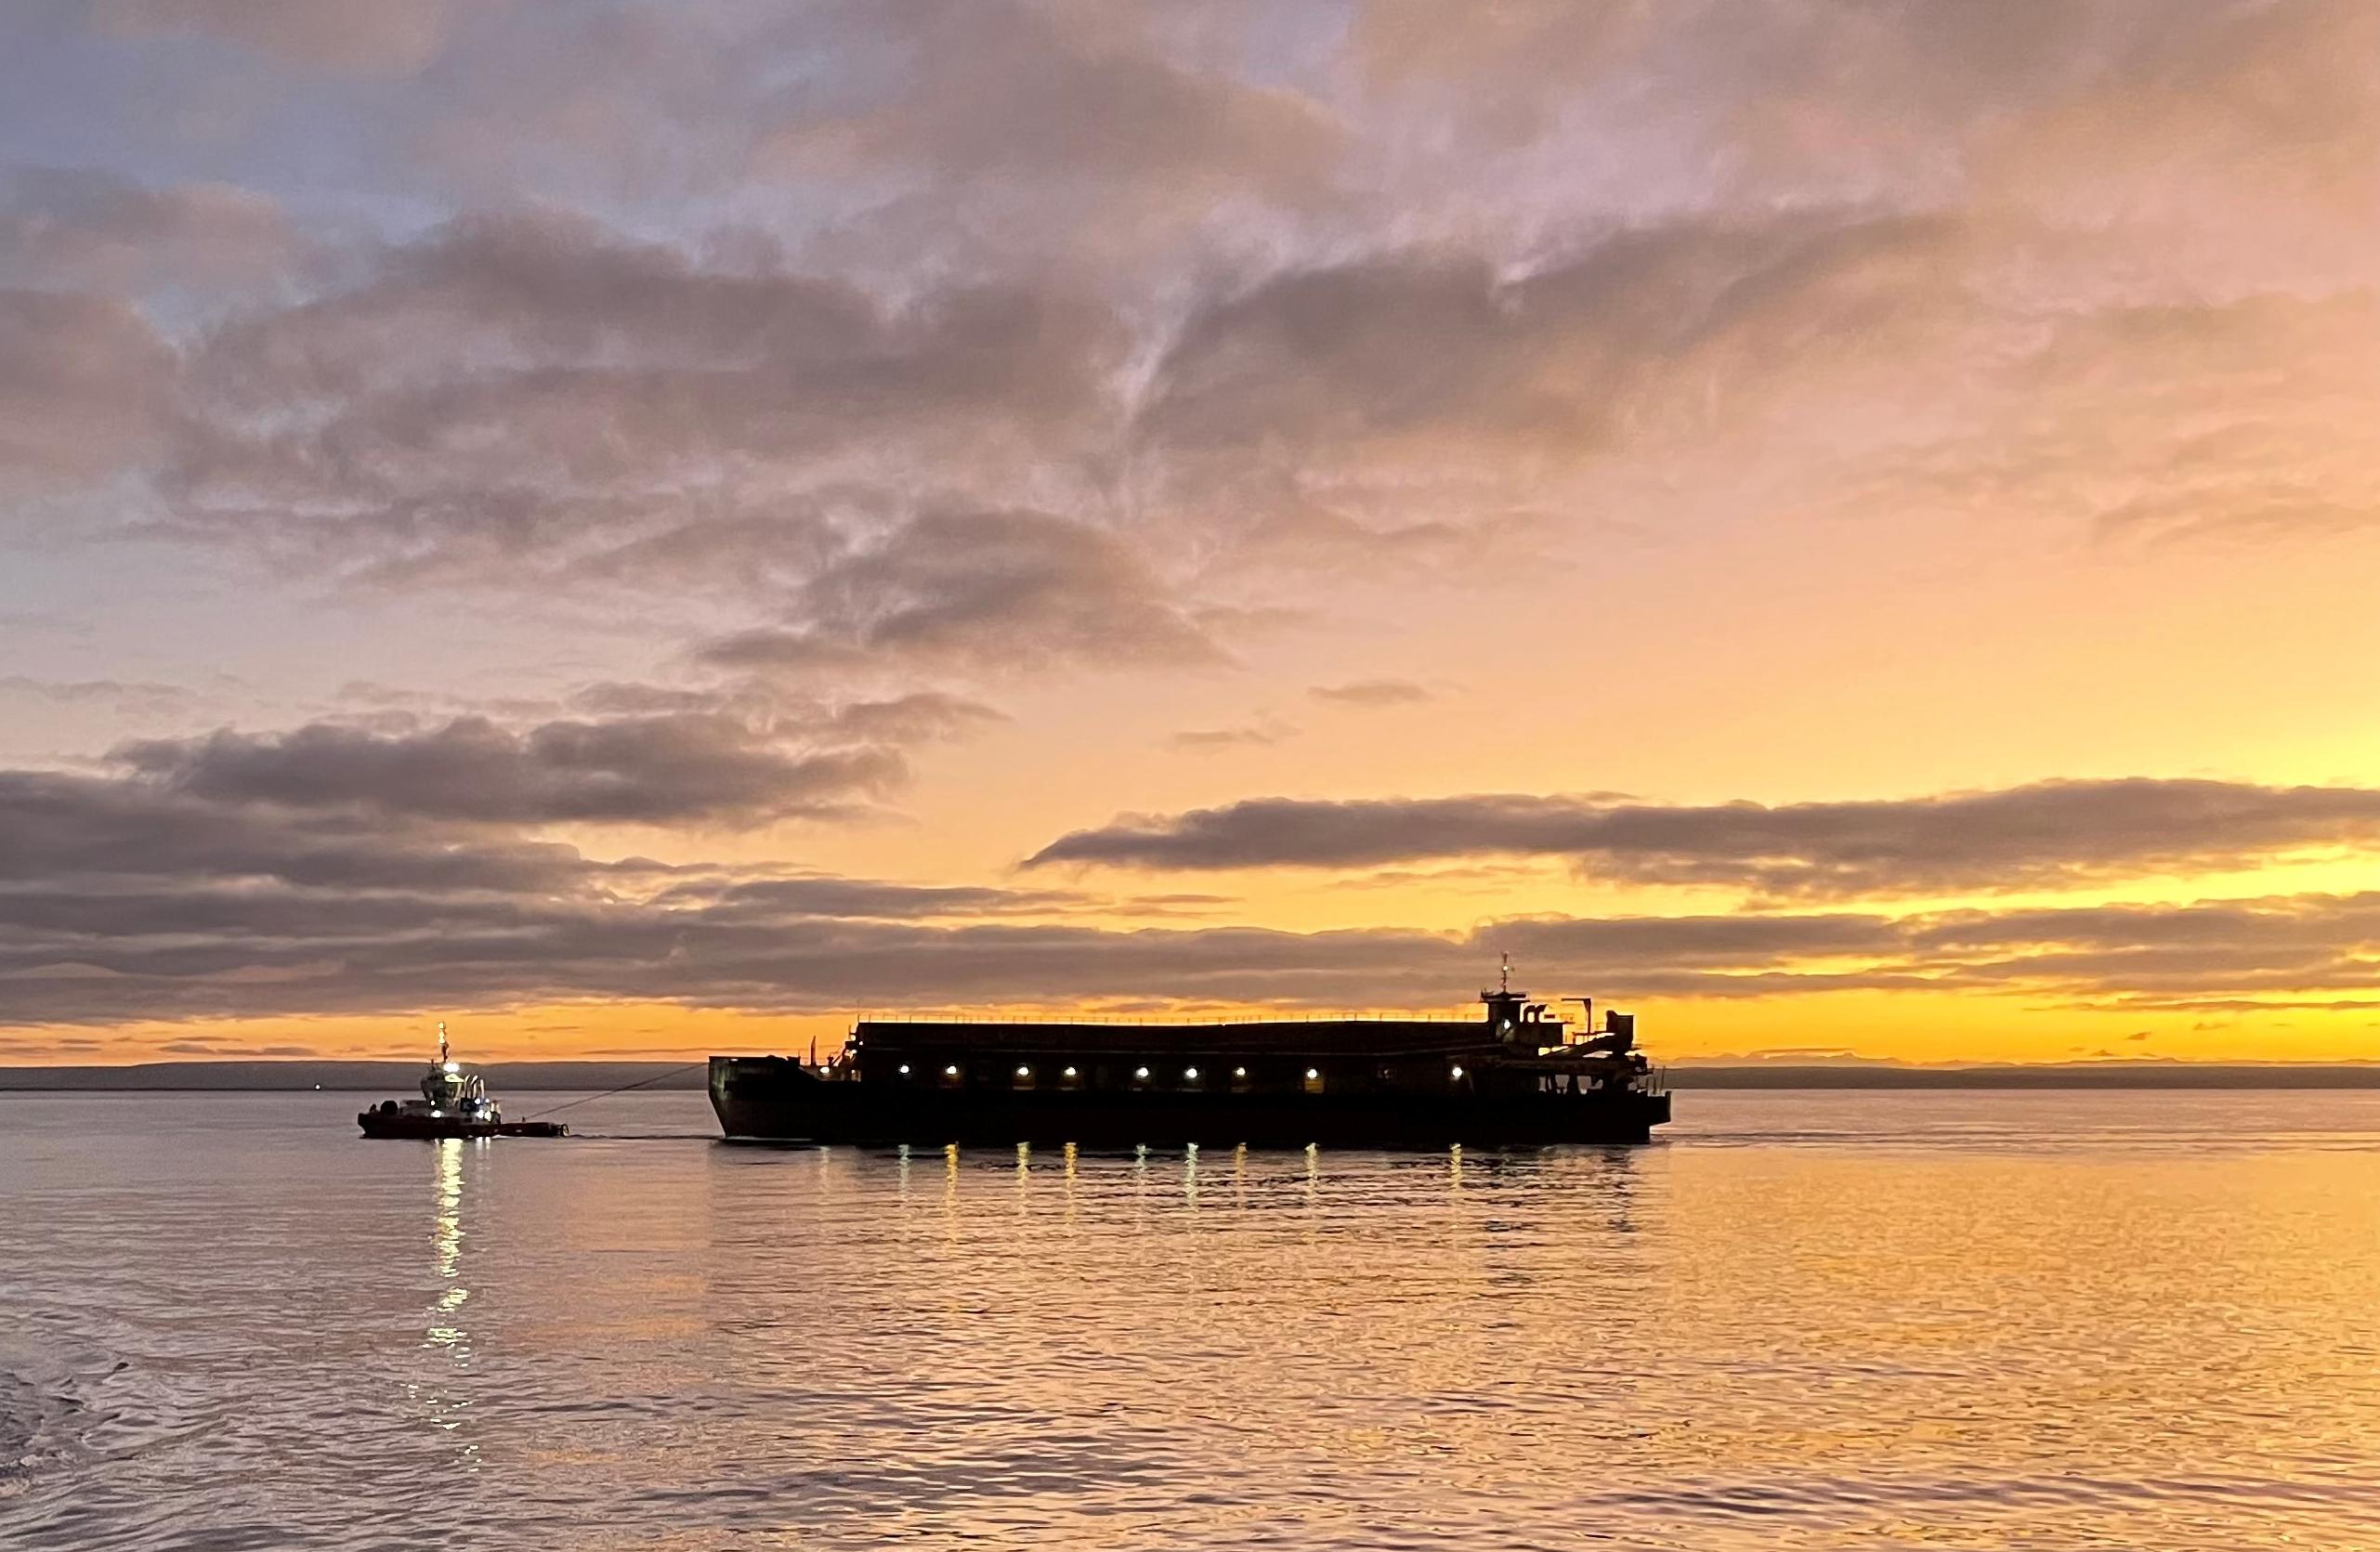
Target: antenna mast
441,1042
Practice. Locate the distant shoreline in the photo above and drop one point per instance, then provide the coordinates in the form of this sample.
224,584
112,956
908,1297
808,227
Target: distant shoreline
300,1075
290,1076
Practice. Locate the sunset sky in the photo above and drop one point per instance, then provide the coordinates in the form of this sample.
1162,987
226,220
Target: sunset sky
640,528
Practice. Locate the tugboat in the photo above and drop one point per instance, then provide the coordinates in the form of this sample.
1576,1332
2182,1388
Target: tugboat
453,1103
1516,1077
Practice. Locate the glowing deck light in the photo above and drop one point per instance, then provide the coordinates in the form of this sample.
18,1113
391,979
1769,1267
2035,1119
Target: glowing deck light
1140,1072
1190,1073
1239,1072
950,1071
1023,1072
905,1069
1459,1072
1312,1074
1069,1071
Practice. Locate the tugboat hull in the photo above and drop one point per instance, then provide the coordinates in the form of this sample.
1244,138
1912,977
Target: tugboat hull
418,1128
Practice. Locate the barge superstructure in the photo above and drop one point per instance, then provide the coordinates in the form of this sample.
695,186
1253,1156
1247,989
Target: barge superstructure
1517,1076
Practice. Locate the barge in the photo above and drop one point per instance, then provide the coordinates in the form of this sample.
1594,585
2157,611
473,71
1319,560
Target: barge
455,1102
1517,1076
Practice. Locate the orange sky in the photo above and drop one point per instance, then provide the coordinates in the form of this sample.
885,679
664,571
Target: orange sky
1849,532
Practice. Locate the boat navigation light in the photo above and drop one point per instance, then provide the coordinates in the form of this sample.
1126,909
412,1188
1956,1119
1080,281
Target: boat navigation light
1023,1072
1069,1071
905,1069
1457,1072
1239,1072
1140,1072
1190,1073
1312,1074
951,1071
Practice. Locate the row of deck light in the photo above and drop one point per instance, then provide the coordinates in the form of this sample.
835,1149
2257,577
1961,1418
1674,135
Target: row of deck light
1191,1074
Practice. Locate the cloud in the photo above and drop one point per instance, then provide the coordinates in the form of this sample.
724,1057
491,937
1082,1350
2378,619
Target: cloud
2056,832
533,390
992,90
127,698
1210,739
1372,692
1376,259
1412,353
123,899
918,717
79,228
122,835
675,769
997,587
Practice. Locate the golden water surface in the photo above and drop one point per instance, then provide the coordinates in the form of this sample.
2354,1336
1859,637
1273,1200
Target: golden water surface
1805,1321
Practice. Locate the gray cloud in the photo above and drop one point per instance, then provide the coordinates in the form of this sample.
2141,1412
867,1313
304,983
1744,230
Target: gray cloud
121,899
86,230
2056,833
1408,351
990,89
1001,587
126,697
689,767
537,389
130,835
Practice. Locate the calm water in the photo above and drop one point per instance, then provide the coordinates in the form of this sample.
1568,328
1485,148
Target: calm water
1853,1320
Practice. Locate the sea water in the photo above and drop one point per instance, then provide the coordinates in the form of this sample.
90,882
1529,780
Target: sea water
1804,1320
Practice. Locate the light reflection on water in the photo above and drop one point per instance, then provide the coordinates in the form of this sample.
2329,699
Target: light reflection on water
448,1401
1810,1321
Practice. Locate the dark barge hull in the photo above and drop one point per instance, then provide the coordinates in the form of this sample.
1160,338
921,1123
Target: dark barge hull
770,1100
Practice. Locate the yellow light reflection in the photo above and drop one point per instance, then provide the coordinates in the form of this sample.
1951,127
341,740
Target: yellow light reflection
448,1407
